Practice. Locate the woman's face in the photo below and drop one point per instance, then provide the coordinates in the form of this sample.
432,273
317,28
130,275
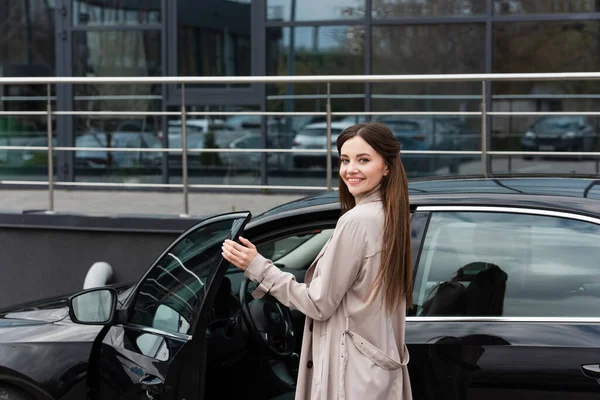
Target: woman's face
361,167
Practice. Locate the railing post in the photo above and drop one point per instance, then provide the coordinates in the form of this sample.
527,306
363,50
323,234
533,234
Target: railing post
50,152
484,166
328,160
184,166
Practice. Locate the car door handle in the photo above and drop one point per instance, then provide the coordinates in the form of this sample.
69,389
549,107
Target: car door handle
152,384
591,371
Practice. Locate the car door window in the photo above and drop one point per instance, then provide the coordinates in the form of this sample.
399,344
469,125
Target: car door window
505,264
174,288
296,251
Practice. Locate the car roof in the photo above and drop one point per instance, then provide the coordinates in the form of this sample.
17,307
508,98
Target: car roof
581,195
323,125
198,122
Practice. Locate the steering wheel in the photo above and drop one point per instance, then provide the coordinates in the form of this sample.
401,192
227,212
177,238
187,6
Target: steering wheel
269,323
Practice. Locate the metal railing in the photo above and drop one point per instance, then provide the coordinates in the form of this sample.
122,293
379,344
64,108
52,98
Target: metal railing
329,114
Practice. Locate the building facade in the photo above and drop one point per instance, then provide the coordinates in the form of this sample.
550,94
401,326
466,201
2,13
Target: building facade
286,37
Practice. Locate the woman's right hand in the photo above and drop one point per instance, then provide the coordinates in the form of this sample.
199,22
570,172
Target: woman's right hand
240,255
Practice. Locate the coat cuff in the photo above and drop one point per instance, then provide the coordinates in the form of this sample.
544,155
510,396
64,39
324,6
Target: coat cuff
263,272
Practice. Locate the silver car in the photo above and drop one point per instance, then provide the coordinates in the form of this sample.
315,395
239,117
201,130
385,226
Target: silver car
314,137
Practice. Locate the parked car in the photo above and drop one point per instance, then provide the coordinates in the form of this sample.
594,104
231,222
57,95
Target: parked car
424,133
196,141
223,132
506,305
218,136
560,133
314,137
119,159
467,138
200,125
251,160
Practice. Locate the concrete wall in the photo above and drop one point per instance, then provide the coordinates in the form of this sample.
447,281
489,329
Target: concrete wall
46,255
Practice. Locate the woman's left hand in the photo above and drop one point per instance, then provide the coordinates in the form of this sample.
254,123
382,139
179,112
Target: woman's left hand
239,255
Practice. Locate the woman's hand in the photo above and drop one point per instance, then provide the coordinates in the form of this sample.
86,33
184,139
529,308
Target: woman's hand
239,255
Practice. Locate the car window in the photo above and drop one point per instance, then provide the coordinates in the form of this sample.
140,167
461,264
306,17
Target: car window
504,264
174,289
253,142
296,251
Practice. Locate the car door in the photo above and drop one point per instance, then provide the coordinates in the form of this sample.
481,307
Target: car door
507,305
156,351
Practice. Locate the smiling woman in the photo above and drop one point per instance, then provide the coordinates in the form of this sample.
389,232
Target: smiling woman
361,167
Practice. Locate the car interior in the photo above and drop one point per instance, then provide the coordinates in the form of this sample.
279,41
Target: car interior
263,365
469,269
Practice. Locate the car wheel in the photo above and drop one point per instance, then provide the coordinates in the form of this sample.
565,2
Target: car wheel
10,393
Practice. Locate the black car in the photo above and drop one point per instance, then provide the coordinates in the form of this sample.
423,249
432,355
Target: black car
560,133
506,292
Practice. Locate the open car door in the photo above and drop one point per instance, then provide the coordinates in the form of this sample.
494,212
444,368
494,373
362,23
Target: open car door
156,348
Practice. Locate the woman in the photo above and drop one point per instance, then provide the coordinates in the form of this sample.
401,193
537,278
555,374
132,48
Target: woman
359,287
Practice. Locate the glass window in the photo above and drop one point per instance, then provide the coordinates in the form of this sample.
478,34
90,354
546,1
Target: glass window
314,10
28,38
116,12
117,53
426,8
545,7
213,38
25,131
311,50
451,49
554,46
27,48
295,251
174,289
502,264
314,50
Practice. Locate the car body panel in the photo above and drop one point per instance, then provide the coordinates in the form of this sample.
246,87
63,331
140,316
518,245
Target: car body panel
493,360
450,357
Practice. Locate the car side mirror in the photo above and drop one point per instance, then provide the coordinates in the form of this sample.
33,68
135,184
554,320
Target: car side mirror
93,307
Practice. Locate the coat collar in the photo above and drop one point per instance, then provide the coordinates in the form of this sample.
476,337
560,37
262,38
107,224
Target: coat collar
374,195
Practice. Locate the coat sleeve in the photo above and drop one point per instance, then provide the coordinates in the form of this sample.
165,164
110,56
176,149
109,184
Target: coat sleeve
336,271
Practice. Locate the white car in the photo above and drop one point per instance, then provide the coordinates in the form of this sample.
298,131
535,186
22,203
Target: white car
314,137
250,160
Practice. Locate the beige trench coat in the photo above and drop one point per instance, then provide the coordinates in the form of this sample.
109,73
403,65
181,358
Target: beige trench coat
350,349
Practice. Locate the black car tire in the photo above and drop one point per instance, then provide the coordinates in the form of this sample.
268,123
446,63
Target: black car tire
10,393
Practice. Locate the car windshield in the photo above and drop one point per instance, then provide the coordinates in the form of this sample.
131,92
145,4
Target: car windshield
557,123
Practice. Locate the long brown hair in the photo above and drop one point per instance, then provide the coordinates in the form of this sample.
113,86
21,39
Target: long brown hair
394,279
